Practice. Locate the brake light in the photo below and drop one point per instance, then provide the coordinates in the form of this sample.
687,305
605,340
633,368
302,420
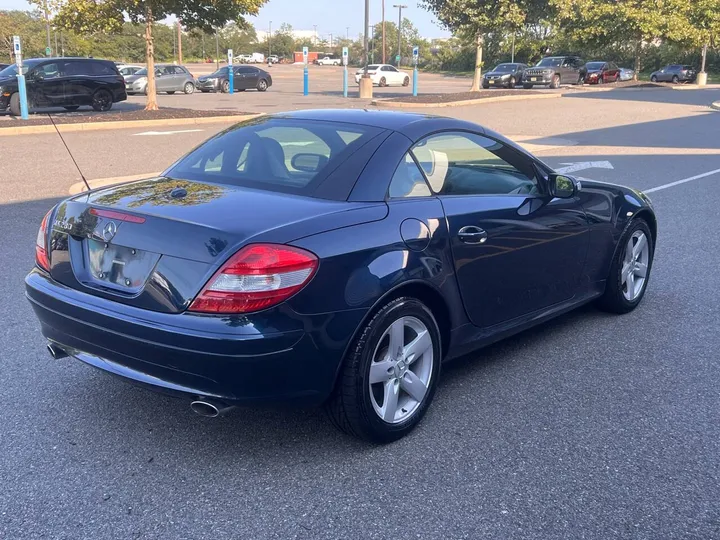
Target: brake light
257,277
42,258
120,216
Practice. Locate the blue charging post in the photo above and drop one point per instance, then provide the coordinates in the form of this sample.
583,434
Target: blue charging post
345,71
306,75
231,73
22,89
416,54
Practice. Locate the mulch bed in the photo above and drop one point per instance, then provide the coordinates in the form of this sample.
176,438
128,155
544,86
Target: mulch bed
90,116
460,96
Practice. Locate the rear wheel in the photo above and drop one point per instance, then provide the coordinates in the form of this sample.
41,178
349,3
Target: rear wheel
102,100
601,80
406,81
15,104
382,82
675,79
555,82
262,85
653,78
512,82
630,269
189,88
390,374
71,108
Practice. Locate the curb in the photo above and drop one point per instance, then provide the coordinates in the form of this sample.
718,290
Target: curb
478,101
123,124
715,106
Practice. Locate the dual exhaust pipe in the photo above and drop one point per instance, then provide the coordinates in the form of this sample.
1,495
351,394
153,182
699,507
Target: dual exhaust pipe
203,407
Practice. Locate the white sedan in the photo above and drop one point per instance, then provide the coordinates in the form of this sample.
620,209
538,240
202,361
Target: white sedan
384,75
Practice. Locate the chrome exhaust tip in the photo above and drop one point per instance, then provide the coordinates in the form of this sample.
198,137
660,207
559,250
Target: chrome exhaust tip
210,409
56,352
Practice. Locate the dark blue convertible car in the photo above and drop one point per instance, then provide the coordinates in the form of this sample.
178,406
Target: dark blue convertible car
331,257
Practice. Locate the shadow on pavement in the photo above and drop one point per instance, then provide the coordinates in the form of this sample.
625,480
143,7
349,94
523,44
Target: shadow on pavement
653,95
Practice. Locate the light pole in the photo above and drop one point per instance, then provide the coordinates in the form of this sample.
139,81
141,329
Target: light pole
512,54
217,51
400,8
366,89
314,34
47,24
270,39
331,41
383,32
347,33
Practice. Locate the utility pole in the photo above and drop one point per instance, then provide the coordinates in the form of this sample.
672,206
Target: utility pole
315,34
365,37
217,51
347,33
383,32
179,40
512,58
174,47
47,24
270,39
56,44
202,36
400,8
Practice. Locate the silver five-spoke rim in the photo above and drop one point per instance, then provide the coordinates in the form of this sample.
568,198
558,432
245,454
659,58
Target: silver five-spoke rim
401,370
635,265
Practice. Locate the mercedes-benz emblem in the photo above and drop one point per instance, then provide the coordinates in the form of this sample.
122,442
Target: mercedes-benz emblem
109,231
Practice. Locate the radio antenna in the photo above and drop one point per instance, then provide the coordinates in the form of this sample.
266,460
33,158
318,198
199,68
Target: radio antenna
69,152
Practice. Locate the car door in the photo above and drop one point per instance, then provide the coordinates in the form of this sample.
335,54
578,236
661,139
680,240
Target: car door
516,249
665,74
250,78
47,85
396,77
163,78
79,85
181,77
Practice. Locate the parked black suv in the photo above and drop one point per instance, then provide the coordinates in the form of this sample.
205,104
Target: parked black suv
63,82
553,71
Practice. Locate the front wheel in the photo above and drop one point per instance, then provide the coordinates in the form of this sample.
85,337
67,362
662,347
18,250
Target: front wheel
383,82
406,81
262,85
675,79
189,88
102,101
390,374
512,82
653,79
555,84
15,104
630,269
225,87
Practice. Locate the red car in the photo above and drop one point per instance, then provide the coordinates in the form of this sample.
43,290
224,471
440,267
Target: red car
601,72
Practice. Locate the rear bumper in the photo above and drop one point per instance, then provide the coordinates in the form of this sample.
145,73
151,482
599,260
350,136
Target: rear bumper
241,360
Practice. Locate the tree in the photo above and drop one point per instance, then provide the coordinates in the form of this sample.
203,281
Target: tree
92,16
704,19
478,18
640,22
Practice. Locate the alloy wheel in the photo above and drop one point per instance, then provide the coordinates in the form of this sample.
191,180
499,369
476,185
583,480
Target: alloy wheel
401,370
102,100
635,266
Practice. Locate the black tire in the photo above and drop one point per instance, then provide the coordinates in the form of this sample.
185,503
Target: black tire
171,92
485,86
15,104
555,84
71,108
512,83
406,81
675,79
653,79
102,100
601,80
527,86
383,82
189,88
350,407
262,85
613,300
225,87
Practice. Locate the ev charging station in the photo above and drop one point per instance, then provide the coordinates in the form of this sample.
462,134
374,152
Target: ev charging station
22,89
231,72
345,54
306,82
416,56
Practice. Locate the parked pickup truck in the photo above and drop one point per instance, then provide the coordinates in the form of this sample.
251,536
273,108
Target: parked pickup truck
329,61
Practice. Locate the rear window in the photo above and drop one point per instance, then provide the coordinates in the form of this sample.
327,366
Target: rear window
275,154
102,68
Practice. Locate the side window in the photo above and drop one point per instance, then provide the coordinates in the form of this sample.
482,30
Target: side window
180,71
101,69
244,70
408,181
469,164
391,68
168,70
49,71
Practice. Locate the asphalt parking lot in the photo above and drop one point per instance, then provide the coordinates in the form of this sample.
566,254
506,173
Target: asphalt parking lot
592,426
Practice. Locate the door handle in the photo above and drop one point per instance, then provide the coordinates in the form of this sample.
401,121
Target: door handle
472,235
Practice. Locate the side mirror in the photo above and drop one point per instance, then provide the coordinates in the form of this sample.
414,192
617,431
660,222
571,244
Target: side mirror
563,187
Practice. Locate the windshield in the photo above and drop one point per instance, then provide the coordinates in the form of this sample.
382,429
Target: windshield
595,65
143,71
219,73
274,154
505,68
12,71
550,62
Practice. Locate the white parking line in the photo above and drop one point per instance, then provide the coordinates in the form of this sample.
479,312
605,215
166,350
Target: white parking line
168,132
685,180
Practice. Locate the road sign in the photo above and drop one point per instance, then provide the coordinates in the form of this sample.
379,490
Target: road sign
305,55
397,58
345,56
17,49
230,56
48,51
416,54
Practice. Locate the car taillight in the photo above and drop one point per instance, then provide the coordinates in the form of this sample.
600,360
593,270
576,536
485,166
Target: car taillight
257,277
42,258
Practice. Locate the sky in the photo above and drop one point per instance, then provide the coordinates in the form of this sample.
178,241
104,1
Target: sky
330,16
